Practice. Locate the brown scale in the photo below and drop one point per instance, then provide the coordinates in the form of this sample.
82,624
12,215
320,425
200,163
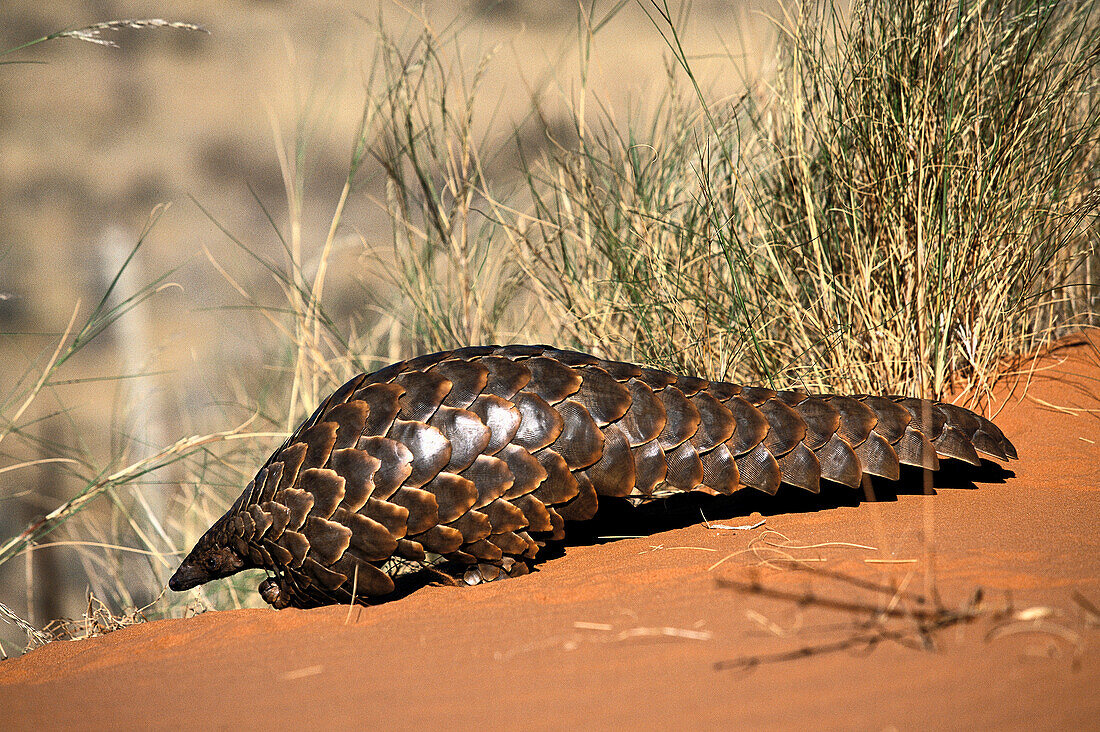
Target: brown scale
471,460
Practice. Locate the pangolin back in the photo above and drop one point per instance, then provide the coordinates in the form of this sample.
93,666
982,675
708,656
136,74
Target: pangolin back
481,454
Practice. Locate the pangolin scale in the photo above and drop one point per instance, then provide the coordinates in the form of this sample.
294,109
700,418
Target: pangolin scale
480,455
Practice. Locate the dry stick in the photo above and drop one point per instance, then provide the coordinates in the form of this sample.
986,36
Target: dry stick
1088,607
862,584
354,588
868,639
929,621
808,598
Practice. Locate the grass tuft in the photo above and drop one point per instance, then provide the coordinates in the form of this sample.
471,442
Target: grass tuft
910,200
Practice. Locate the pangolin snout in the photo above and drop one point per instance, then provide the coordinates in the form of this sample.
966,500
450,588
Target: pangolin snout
187,576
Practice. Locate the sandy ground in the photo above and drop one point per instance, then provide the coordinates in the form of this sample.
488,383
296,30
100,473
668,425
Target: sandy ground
627,634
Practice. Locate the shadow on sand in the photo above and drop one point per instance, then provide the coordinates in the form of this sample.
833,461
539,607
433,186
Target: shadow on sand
617,518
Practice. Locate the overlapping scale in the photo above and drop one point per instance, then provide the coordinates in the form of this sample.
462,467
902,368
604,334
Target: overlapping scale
551,379
465,432
645,419
325,577
535,511
927,418
751,426
430,449
800,467
649,466
856,419
914,448
383,404
504,516
319,440
656,379
691,385
785,427
540,424
291,458
682,418
424,392
720,470
839,462
491,477
990,445
351,420
527,472
454,495
685,469
756,395
614,473
367,535
583,505
877,457
468,379
510,543
506,377
390,515
758,469
357,468
395,463
474,526
326,487
262,520
500,416
280,518
560,485
717,423
605,399
569,358
822,420
619,370
581,442
299,503
327,539
271,481
441,539
368,580
951,443
421,505
891,419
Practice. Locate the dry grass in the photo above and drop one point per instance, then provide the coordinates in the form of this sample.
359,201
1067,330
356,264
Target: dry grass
911,199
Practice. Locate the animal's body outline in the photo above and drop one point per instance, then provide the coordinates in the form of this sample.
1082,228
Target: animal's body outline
480,455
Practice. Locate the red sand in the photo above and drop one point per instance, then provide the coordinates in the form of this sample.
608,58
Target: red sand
562,648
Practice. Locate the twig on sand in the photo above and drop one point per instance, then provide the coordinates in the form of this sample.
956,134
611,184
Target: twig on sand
925,622
1093,614
646,632
762,543
726,527
918,625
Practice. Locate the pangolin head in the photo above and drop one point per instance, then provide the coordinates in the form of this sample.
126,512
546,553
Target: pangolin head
212,558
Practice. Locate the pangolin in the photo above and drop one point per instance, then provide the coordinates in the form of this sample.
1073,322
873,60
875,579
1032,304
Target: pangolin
473,459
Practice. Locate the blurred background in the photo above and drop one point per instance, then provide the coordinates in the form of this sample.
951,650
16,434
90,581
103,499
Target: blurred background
95,139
